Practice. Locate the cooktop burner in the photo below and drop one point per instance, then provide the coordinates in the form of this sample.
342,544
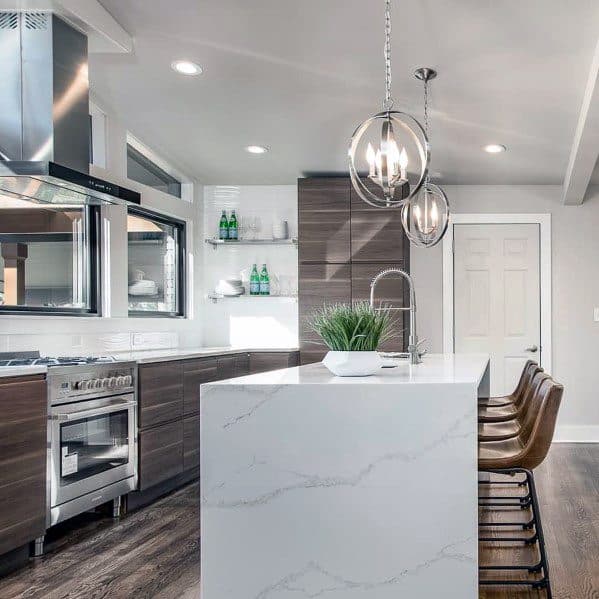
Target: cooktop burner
30,359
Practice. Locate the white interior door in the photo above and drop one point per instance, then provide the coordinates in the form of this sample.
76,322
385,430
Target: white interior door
497,299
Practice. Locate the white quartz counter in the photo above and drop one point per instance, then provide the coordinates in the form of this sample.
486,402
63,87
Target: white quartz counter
344,488
166,355
8,371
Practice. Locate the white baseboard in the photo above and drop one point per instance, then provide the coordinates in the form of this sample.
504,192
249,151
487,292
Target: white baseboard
576,434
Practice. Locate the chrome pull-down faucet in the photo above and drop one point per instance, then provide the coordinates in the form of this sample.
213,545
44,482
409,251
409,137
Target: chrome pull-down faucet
413,338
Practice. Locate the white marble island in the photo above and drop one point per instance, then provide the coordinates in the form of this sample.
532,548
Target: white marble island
365,488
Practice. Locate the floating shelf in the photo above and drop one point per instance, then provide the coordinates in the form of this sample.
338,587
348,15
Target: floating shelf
216,297
222,242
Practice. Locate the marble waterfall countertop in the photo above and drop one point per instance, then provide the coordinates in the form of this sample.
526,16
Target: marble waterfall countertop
362,488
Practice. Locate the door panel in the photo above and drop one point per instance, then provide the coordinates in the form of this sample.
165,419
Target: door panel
319,284
324,219
497,297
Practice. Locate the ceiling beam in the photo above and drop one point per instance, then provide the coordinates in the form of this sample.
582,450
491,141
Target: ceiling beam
585,149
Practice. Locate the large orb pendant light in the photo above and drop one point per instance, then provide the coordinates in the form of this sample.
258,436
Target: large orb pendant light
425,216
389,152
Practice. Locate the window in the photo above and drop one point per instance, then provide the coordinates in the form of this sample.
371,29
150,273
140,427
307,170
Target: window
143,170
156,264
48,258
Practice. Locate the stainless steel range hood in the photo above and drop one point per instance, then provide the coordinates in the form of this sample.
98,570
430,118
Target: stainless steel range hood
44,114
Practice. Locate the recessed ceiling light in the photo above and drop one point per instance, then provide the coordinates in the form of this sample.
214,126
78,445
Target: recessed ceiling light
494,148
256,149
186,67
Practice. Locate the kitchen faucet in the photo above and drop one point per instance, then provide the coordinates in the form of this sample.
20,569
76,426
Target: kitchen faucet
413,342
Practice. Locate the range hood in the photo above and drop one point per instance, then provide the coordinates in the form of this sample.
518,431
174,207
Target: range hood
44,114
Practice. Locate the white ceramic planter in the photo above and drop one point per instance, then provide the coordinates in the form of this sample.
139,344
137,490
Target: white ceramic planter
353,363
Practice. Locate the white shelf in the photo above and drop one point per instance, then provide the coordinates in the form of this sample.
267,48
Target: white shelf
215,243
216,297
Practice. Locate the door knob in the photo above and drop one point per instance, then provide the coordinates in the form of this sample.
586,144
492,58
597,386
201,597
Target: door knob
532,349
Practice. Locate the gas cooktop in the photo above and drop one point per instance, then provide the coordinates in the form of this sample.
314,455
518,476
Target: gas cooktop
34,359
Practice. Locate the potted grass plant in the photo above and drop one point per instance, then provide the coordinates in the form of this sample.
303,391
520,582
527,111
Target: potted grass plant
352,332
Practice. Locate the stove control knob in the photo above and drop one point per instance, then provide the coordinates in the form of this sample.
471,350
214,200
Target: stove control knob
113,381
96,383
82,385
104,383
128,380
120,381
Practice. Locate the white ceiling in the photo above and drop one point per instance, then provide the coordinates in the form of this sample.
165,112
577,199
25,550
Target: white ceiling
299,76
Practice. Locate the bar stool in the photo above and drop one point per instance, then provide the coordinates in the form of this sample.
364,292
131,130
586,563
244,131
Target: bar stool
529,370
510,425
510,411
520,455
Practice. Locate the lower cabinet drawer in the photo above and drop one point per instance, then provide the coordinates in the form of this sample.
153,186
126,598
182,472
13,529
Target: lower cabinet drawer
191,442
160,453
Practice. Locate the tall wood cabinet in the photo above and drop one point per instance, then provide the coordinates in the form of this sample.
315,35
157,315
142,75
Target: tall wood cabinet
343,244
23,446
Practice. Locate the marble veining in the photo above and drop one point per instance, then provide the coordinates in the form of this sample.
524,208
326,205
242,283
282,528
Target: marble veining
315,487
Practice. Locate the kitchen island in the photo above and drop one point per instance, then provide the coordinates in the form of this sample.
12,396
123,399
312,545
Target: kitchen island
318,486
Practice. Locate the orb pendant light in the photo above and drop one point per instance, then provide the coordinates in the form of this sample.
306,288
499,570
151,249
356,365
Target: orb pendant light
425,216
389,152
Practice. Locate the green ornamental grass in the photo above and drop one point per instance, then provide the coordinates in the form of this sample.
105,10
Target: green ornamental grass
357,327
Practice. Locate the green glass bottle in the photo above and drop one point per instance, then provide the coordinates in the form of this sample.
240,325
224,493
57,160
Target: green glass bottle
264,281
233,229
254,281
223,226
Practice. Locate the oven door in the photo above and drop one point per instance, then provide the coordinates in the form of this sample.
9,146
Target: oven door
93,444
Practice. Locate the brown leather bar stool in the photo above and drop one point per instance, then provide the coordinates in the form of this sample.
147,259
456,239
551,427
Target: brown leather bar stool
520,455
511,411
510,426
528,372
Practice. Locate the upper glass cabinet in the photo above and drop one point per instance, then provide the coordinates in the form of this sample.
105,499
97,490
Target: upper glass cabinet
156,264
48,258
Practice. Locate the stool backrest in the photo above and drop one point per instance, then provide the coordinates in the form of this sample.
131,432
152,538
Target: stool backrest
539,422
528,373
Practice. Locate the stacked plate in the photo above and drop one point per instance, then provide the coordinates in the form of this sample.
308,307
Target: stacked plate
144,287
230,287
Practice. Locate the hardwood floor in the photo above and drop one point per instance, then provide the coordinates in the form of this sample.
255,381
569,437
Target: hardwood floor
154,552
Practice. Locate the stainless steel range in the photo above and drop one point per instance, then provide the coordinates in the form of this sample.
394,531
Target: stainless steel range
92,431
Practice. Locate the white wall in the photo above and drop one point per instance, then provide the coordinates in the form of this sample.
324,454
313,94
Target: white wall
251,322
575,255
115,331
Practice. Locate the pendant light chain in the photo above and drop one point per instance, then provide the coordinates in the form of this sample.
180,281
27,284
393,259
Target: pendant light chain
426,124
388,103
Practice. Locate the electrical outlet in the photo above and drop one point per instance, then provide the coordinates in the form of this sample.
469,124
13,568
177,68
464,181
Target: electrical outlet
596,314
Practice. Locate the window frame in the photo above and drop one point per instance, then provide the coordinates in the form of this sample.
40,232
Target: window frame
181,227
92,249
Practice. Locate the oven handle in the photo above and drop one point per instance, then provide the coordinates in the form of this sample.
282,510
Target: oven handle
95,412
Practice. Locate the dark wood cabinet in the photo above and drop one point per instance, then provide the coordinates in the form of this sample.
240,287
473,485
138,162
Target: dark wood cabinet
324,219
160,453
191,442
161,392
23,446
377,234
376,241
319,284
266,361
196,372
169,408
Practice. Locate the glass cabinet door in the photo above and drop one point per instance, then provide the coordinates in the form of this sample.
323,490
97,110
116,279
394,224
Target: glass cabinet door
156,268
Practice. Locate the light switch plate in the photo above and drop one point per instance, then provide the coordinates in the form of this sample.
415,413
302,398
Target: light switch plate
596,314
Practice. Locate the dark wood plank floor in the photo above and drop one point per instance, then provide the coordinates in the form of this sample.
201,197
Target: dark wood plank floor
154,553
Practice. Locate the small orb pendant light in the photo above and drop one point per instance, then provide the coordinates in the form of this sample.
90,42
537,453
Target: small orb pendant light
425,216
391,147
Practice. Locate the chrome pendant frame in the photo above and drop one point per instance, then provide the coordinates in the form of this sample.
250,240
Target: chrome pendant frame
424,240
408,124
